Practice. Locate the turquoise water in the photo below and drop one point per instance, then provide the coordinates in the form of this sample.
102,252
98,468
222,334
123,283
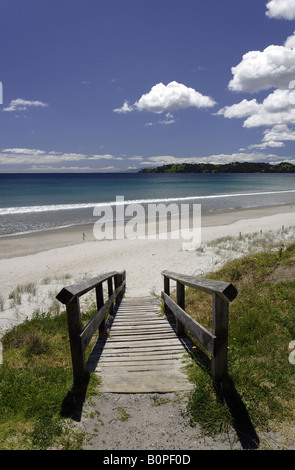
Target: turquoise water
32,202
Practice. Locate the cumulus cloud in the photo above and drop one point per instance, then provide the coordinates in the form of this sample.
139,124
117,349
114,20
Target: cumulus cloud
276,112
239,110
281,9
279,132
274,67
277,108
22,105
276,136
166,98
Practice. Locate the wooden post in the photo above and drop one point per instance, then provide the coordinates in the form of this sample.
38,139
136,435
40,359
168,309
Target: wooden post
99,304
167,291
117,283
75,328
220,330
118,279
180,300
110,291
124,279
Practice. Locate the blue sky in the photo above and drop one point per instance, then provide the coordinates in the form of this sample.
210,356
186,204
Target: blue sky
120,85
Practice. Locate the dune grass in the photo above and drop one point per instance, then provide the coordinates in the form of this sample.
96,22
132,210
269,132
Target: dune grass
261,326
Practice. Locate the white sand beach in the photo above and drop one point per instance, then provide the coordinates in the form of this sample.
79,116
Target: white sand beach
53,259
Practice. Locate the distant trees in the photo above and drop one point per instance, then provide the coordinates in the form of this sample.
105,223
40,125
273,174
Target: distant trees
236,167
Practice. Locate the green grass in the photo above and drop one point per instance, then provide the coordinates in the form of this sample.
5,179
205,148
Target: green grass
36,385
261,325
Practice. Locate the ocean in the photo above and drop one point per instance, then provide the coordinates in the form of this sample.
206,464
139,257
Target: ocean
34,202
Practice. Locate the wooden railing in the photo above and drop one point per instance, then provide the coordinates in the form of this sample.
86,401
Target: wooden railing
81,337
215,342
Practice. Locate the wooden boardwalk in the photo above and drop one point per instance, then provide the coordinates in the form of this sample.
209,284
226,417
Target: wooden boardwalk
142,353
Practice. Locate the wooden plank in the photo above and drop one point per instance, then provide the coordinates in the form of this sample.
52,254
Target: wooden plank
141,355
145,349
134,351
141,358
158,383
144,327
156,342
147,356
122,368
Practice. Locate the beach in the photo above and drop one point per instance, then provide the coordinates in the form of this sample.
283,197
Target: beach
53,259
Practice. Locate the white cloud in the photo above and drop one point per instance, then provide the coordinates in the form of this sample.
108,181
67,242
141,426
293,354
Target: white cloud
264,145
281,9
169,119
274,67
165,98
104,157
22,105
24,156
277,108
239,110
278,135
125,108
24,151
136,158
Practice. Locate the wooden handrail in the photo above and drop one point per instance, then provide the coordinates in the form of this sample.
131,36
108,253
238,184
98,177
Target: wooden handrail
224,289
215,342
81,337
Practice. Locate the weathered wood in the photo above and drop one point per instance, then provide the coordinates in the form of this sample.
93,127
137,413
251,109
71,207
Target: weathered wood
96,321
80,338
167,291
74,327
145,383
220,329
110,292
99,305
81,288
180,300
205,337
224,289
145,359
215,342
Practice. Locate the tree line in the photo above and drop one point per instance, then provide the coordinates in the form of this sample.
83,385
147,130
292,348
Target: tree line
236,167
